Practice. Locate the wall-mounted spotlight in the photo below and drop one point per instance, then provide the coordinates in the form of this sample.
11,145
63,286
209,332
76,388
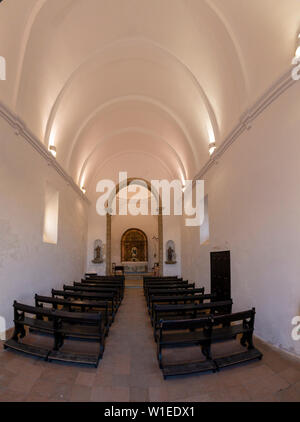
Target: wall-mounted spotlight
297,53
83,189
52,149
211,148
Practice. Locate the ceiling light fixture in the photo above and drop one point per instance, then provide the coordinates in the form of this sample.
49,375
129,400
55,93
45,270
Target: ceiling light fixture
52,149
211,148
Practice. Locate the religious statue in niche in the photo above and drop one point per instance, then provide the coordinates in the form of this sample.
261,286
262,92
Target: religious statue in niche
170,252
134,246
134,253
98,252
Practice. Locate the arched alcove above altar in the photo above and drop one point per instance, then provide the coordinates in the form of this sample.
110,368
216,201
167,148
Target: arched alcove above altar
134,250
134,246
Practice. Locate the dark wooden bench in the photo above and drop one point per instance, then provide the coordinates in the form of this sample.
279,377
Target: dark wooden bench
75,305
181,291
82,288
104,280
179,299
226,327
88,296
205,331
189,311
180,333
106,277
61,325
99,283
173,285
159,280
154,277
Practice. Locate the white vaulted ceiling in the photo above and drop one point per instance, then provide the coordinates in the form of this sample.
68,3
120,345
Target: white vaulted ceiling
98,78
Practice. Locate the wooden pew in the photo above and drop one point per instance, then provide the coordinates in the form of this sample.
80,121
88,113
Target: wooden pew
61,325
226,327
90,296
90,274
182,285
102,283
189,311
205,331
106,277
186,290
160,280
74,305
180,333
83,288
179,299
173,285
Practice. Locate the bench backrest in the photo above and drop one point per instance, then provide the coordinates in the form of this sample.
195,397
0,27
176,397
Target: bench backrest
202,306
57,301
79,317
82,294
170,285
105,277
91,289
179,291
153,277
100,281
185,324
161,280
87,283
181,297
58,316
27,309
246,316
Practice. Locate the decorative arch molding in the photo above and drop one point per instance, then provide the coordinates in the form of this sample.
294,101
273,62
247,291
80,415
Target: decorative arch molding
94,177
134,130
36,10
235,43
24,44
142,99
207,105
159,222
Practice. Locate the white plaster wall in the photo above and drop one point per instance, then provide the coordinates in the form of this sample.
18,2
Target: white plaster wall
254,210
27,265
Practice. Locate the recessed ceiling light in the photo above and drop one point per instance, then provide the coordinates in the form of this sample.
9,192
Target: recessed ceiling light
52,149
211,148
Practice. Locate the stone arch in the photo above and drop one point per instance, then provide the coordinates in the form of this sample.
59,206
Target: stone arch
138,181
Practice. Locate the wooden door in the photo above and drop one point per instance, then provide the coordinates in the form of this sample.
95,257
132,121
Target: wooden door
220,274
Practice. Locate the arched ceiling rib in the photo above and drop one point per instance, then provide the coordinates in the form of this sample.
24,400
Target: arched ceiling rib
181,70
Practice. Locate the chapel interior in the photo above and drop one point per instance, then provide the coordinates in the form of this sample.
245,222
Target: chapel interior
144,307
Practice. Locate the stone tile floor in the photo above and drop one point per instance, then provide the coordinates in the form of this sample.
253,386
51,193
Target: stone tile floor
129,371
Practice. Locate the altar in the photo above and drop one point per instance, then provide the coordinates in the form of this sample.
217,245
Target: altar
134,251
131,267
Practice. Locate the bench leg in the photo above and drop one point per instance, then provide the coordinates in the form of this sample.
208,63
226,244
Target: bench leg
206,351
159,354
243,340
18,331
58,341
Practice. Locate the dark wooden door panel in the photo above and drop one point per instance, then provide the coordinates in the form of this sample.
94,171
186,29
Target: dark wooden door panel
220,274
